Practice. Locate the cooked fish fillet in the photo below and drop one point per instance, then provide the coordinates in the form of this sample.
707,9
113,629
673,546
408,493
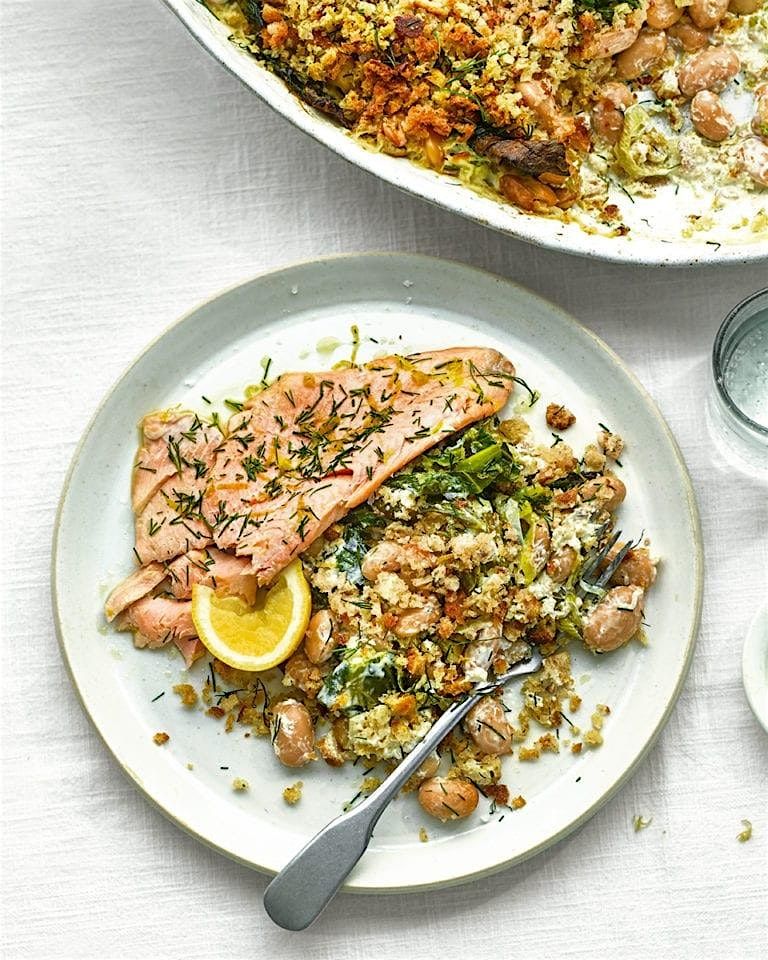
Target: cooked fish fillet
170,474
312,446
133,588
231,575
156,621
214,568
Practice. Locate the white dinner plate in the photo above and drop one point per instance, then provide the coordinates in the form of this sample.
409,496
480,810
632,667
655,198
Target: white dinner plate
660,225
405,304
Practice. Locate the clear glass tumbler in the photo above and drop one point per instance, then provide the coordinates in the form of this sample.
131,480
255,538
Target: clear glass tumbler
738,408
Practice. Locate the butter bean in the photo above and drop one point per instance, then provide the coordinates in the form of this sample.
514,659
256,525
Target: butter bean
707,13
688,36
754,160
447,799
608,112
710,118
293,737
607,492
663,13
607,43
488,727
710,69
417,620
540,548
745,6
760,119
636,569
561,564
642,56
319,641
615,620
384,556
554,120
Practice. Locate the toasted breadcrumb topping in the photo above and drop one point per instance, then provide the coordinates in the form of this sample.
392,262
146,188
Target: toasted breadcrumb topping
292,794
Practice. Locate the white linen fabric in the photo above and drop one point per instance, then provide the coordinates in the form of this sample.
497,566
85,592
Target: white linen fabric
140,178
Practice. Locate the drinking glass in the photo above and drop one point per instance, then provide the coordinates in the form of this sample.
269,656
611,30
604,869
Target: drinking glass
738,407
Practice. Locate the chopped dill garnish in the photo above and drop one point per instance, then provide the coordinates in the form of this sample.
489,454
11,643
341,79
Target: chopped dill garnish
533,395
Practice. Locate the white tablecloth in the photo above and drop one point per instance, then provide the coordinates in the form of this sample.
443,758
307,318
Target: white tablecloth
140,178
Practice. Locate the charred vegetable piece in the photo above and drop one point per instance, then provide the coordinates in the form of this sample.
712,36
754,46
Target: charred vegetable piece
532,157
408,26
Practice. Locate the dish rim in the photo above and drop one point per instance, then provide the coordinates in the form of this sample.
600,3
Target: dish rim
754,657
693,516
538,231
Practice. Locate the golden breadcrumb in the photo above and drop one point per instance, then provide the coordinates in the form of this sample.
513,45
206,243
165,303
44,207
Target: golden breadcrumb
292,794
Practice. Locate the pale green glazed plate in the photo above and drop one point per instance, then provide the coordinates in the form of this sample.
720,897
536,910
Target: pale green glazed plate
405,303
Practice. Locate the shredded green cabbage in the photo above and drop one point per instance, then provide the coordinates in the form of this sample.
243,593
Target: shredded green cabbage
643,150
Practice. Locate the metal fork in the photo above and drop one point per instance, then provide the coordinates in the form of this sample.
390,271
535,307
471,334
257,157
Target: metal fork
308,883
591,579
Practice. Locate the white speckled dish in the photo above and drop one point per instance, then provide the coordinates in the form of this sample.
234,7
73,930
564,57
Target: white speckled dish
656,223
406,303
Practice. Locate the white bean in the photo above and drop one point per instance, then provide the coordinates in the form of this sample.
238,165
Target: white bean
711,69
488,727
754,160
707,13
710,118
293,737
641,57
663,13
615,620
448,799
319,641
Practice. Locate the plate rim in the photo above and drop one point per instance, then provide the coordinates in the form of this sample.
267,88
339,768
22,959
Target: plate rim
649,404
538,231
753,658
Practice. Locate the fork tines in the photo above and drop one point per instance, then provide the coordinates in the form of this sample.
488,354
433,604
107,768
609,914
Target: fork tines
588,579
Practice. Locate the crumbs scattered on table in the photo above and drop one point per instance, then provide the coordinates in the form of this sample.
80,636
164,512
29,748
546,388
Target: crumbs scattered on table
239,785
518,802
423,835
292,794
161,738
190,766
746,833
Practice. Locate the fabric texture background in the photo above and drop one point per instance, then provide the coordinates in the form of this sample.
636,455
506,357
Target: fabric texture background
140,178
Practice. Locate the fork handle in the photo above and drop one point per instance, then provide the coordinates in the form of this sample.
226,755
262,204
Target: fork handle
306,885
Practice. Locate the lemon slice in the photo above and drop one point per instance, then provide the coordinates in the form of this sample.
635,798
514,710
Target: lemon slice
254,637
